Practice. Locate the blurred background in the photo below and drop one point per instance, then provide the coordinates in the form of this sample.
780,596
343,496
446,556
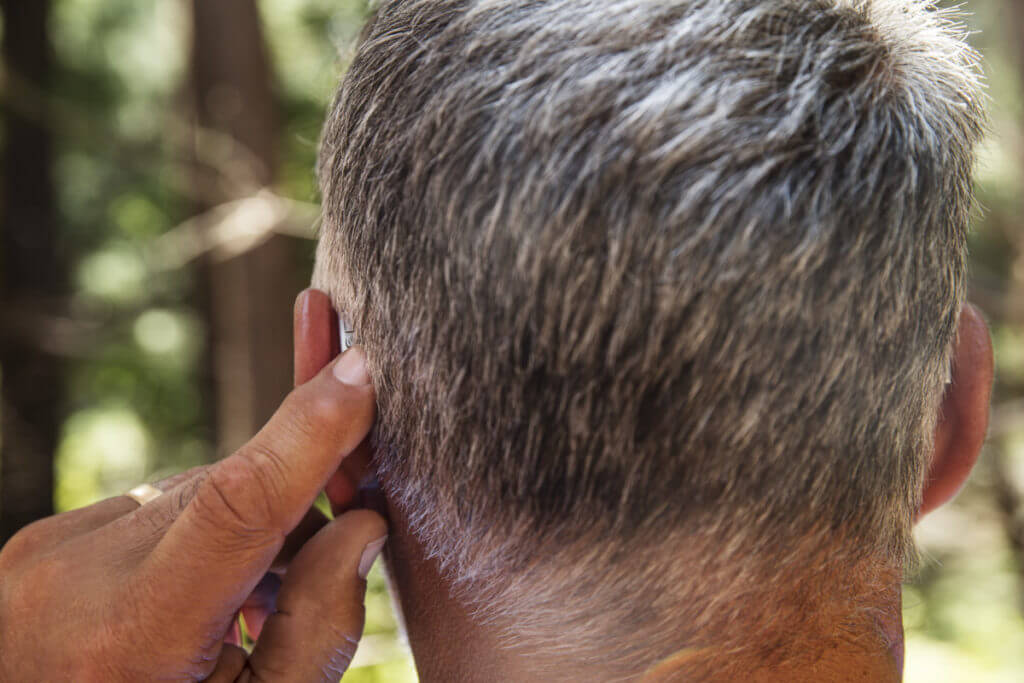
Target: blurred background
157,216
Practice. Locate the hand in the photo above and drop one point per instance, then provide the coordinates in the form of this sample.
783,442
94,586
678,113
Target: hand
117,592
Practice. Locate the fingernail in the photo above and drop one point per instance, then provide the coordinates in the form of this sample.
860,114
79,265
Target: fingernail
370,554
351,369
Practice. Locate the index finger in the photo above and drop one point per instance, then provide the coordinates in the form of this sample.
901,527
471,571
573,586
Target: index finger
228,535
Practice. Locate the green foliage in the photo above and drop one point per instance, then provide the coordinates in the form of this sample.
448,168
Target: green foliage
963,610
137,401
137,404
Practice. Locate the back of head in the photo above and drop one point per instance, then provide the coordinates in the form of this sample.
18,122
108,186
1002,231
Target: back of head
658,296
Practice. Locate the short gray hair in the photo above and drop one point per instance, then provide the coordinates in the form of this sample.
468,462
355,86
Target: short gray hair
652,289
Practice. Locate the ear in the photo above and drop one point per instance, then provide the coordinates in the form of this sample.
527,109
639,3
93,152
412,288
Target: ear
963,416
317,343
316,334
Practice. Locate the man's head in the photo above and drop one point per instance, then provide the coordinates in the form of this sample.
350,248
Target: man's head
658,297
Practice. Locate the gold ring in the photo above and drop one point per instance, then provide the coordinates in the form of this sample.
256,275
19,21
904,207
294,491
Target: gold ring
144,493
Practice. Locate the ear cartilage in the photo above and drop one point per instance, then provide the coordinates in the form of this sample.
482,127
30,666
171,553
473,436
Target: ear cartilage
345,333
949,372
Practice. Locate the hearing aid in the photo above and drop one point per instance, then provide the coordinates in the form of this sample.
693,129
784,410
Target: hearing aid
345,333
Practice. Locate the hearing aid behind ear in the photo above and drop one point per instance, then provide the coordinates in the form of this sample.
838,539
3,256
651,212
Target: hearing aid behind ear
345,333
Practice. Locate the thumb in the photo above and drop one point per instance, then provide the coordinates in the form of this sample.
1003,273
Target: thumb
319,619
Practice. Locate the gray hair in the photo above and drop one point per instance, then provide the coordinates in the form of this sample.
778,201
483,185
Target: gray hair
658,296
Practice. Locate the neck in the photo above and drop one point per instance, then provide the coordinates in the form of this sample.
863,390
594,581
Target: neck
449,644
848,661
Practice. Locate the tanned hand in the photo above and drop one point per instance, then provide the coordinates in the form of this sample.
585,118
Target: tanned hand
117,592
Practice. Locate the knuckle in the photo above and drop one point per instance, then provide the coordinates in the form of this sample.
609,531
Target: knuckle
233,498
263,471
182,494
182,478
147,525
267,468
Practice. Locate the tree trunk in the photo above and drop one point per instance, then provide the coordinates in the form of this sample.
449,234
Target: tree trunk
32,279
248,297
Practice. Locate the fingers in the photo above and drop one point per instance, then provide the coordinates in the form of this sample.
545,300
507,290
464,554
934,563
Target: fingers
230,532
317,342
319,619
229,665
144,527
175,480
68,525
84,520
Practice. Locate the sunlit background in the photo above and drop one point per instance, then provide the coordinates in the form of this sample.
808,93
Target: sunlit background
151,330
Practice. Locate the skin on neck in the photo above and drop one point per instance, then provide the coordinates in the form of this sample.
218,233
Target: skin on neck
449,645
846,662
446,644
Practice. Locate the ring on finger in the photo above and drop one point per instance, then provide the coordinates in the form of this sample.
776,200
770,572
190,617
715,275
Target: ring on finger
144,493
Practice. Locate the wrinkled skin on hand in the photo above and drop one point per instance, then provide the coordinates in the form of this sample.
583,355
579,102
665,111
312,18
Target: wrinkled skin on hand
117,592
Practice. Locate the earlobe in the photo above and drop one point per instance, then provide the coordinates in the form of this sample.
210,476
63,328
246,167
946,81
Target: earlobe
963,418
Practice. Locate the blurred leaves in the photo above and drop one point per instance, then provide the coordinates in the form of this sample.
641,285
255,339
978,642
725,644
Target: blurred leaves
136,337
135,331
963,609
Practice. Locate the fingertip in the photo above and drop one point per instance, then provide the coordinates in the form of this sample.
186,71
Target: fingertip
368,523
372,530
325,584
369,556
351,369
341,545
330,403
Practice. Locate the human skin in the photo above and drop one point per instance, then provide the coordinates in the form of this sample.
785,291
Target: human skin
434,619
118,592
